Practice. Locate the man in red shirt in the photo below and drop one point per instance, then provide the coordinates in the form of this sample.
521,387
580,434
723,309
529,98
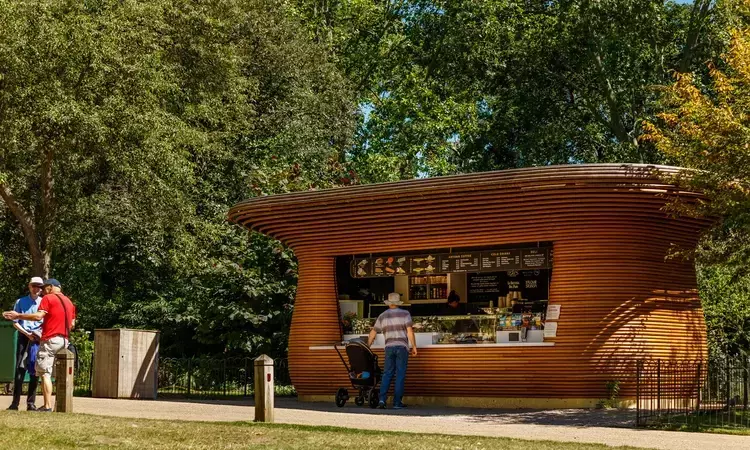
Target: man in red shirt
59,317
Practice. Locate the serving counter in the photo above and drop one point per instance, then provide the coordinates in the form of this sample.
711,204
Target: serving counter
500,327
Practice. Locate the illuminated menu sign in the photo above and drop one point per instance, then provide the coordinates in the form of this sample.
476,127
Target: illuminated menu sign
460,262
501,260
484,261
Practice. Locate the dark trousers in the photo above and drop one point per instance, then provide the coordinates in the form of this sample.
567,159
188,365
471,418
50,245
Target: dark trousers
23,342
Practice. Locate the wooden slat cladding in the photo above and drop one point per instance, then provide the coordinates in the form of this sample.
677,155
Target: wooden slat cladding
621,298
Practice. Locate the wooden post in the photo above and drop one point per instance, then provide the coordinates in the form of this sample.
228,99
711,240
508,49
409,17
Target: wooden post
64,376
264,391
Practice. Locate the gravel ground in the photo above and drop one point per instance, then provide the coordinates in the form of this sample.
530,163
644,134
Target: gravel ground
604,427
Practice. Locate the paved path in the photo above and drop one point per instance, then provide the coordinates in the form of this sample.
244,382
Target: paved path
611,428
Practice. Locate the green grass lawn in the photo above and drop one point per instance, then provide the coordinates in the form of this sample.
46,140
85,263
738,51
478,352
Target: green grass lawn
37,431
703,427
722,422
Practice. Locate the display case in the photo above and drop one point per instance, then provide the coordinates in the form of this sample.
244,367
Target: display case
522,321
428,287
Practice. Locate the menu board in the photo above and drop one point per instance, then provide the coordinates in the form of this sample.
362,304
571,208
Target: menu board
460,262
485,261
388,266
483,287
361,267
500,260
423,264
534,258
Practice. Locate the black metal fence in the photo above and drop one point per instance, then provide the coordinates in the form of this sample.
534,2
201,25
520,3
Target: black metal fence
83,375
204,378
215,378
693,394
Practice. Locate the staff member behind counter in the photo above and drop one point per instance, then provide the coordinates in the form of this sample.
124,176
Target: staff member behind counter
453,307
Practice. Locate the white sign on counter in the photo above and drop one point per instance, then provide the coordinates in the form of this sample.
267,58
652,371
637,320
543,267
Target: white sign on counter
553,312
550,329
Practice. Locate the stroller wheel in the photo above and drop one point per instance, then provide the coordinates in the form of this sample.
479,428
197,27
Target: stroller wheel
342,395
374,393
359,400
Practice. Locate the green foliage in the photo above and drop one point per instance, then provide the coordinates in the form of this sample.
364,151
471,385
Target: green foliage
84,343
725,294
705,127
156,117
613,395
467,86
128,129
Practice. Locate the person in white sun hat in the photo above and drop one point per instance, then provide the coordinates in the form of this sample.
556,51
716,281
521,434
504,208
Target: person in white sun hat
29,332
396,325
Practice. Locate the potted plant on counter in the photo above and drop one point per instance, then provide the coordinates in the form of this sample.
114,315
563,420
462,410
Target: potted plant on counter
425,329
347,322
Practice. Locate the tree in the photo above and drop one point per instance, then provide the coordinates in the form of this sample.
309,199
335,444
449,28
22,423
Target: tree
466,86
706,128
127,130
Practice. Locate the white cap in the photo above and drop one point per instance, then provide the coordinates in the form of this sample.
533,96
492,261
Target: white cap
394,298
37,280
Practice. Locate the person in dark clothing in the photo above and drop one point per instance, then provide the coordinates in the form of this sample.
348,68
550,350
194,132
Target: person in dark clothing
29,332
453,307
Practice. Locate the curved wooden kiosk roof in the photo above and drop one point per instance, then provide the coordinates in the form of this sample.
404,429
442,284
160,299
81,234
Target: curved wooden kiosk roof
621,298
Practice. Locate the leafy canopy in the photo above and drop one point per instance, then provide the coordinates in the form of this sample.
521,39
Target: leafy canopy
153,118
706,127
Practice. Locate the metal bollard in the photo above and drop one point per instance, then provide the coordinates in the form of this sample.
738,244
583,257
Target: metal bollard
264,390
64,361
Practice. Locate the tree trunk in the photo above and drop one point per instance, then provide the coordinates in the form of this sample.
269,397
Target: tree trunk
698,20
40,262
615,120
40,255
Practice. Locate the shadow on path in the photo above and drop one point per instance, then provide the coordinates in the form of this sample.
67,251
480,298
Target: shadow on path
558,417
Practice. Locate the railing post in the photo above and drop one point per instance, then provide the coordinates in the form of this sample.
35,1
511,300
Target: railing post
91,374
224,376
744,384
264,390
244,384
700,388
658,386
64,377
727,376
189,373
638,393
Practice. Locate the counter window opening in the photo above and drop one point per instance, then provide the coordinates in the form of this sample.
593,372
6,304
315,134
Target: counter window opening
504,293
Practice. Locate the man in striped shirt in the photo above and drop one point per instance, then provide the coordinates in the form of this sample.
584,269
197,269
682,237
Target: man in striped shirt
396,326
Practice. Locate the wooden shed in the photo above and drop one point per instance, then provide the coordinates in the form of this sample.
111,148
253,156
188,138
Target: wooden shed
126,363
591,241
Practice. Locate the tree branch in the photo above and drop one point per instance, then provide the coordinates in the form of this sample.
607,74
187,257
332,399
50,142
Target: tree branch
48,207
27,225
615,114
698,15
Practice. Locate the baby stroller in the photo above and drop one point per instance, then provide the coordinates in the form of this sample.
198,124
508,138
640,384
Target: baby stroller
364,373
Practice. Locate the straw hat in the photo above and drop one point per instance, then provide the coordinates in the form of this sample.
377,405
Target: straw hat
394,298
